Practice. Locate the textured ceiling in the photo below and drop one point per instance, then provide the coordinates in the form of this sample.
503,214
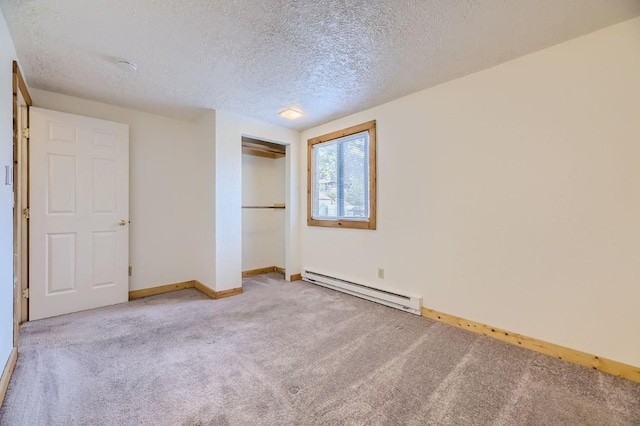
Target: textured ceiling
255,57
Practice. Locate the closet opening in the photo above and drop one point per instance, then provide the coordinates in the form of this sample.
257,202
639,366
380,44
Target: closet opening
263,207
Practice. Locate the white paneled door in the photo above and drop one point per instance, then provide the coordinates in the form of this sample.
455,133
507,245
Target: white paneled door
79,213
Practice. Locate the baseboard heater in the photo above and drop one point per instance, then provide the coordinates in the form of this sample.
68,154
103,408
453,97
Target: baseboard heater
411,304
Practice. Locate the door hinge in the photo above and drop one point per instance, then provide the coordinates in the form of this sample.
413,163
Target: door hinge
25,213
25,132
130,270
25,293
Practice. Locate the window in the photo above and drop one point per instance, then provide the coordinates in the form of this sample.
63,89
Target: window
341,182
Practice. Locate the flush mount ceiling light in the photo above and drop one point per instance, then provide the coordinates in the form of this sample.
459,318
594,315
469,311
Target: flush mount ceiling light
125,65
291,113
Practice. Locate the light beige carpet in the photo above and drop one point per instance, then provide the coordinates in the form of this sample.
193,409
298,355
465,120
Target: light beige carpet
292,354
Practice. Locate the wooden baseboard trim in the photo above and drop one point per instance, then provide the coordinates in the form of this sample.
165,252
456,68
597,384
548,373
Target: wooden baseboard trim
7,373
605,365
254,272
204,289
260,271
228,293
137,294
217,294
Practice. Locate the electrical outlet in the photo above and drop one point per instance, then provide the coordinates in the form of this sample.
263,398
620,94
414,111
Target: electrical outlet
381,273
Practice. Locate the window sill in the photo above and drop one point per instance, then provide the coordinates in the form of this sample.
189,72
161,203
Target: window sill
343,223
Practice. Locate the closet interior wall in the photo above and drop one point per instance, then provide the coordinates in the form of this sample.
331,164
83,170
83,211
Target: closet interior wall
263,229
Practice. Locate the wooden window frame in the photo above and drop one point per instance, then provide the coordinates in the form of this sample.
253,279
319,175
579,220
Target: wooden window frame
370,127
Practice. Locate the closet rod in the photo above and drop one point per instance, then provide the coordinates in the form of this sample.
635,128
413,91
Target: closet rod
277,206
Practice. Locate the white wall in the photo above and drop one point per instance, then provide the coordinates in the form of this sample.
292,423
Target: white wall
161,191
185,191
511,196
7,56
263,184
204,248
229,129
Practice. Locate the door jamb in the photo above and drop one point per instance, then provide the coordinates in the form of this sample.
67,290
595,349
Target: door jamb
291,213
20,181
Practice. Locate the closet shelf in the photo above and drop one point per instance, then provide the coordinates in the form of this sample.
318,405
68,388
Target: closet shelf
264,149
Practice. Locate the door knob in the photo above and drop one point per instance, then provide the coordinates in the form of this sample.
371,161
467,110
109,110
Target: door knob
122,222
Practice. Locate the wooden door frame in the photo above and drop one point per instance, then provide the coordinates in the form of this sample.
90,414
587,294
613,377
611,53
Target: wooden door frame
20,182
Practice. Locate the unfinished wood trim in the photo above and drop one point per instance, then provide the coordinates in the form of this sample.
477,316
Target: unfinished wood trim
217,294
309,177
7,373
373,175
371,223
567,354
344,132
296,277
204,289
137,294
228,293
260,271
19,83
21,186
355,224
